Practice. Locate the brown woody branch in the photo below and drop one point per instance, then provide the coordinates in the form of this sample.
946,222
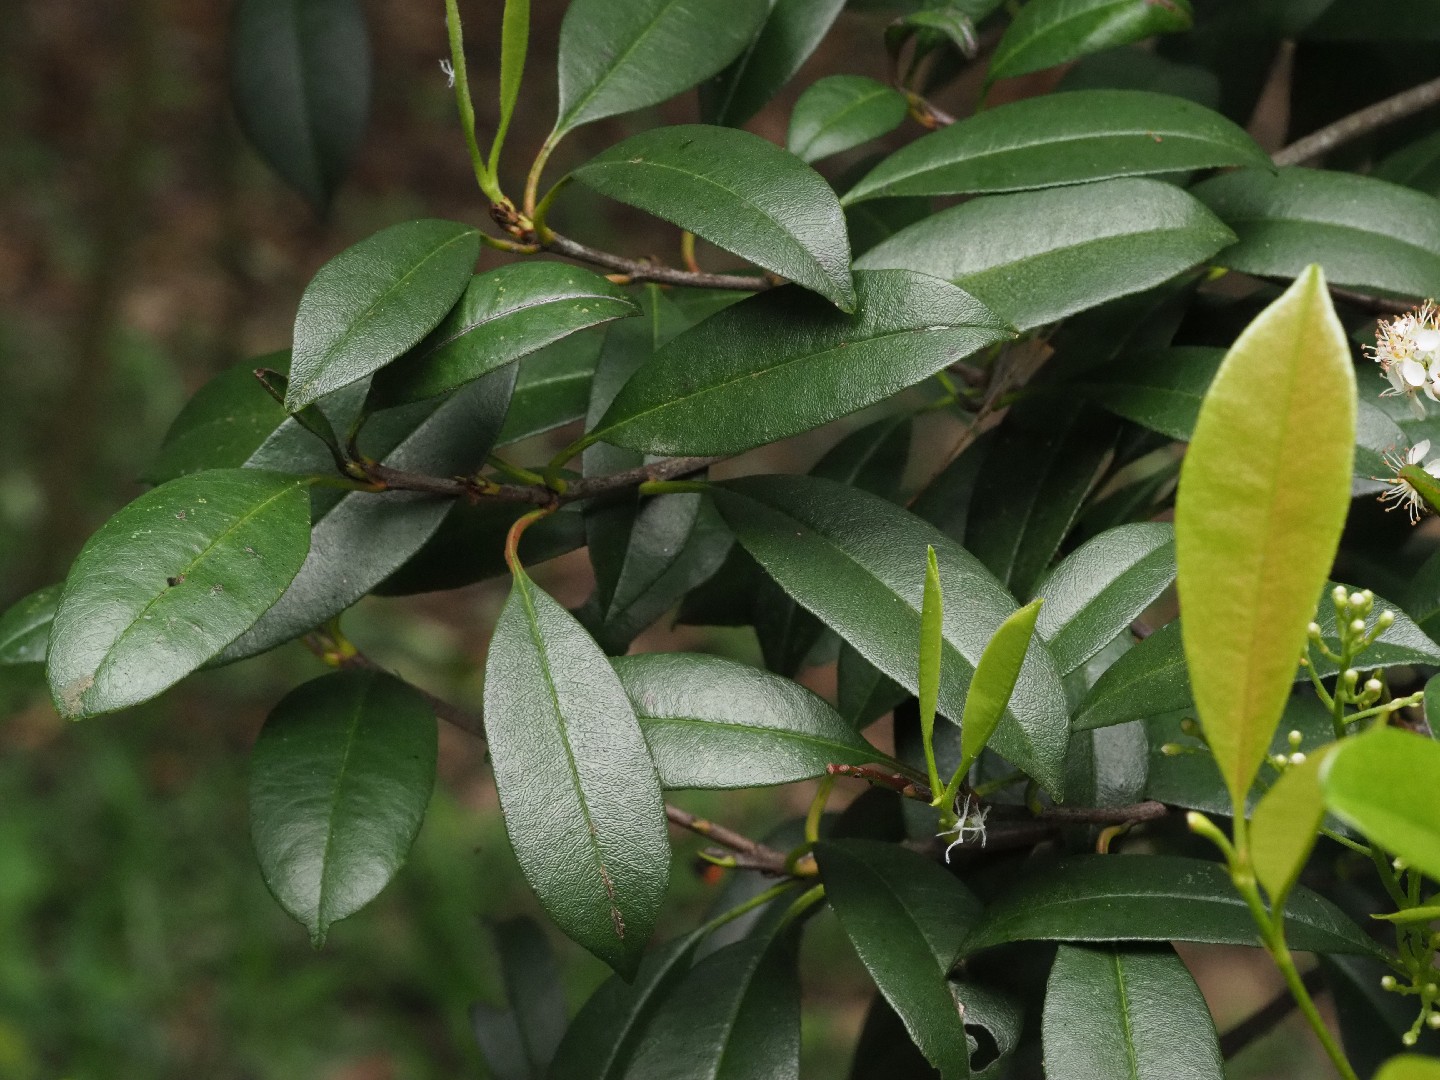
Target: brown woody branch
1349,128
637,270
387,479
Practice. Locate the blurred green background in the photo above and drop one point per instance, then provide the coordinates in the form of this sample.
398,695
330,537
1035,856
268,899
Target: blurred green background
144,248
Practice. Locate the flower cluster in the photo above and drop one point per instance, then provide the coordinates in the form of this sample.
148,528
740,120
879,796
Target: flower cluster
1407,348
1400,489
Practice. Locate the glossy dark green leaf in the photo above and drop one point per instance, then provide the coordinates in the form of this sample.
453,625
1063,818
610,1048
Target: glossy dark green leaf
375,301
519,1042
580,795
1102,587
1376,435
858,562
1060,139
885,1050
339,781
871,223
1046,458
1126,1013
300,81
1383,784
739,192
1148,680
734,1016
1050,32
1038,256
552,387
791,33
1150,898
1421,600
606,1031
170,581
25,627
1160,390
367,536
907,918
504,314
617,56
784,362
717,723
839,112
1366,233
222,425
1415,166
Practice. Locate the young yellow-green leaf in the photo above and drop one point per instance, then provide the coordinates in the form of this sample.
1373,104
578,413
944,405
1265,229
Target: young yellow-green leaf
170,581
514,41
376,300
717,723
907,918
840,112
739,192
579,792
1410,1067
1255,536
1126,1014
620,55
1037,256
1384,784
25,627
300,81
1050,32
932,619
791,33
1057,139
995,677
339,781
784,362
504,314
1284,825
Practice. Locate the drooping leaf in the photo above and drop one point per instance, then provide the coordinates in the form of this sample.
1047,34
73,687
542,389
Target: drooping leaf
1061,139
578,789
1132,1013
1284,824
717,723
300,81
339,781
606,1031
1045,459
1050,32
784,362
842,554
1255,538
366,537
734,1016
907,918
504,314
519,1042
1150,898
170,581
791,33
1102,587
376,300
617,56
839,112
222,425
741,193
994,682
1383,783
1364,232
1038,256
25,627
1161,390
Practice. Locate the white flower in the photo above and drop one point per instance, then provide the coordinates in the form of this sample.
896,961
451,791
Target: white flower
1399,490
1407,348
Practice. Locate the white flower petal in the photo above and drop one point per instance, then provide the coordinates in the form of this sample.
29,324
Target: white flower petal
1433,468
1418,451
1394,377
1418,408
1413,373
1427,340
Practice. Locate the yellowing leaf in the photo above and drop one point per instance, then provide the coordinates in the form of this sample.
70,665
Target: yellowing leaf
1262,500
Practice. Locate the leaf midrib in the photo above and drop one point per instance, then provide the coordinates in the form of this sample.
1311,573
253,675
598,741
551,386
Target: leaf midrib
825,128
352,727
1369,235
1104,13
1127,1022
789,734
565,123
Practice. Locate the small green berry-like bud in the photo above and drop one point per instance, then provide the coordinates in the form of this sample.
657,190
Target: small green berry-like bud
1373,686
1387,982
1357,626
1171,749
1295,739
1314,631
1297,758
1279,761
1433,1020
1339,596
1410,1038
1385,620
1399,864
1351,677
1357,601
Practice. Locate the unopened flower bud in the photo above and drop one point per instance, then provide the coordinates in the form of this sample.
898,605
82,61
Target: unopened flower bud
1171,749
1373,686
1351,677
1357,600
1279,761
1357,626
1314,631
1385,620
1410,1038
1433,1020
1339,596
1297,758
1387,982
1398,864
1294,739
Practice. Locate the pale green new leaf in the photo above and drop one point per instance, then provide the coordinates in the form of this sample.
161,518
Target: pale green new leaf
932,616
1262,499
1284,825
1384,784
994,681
